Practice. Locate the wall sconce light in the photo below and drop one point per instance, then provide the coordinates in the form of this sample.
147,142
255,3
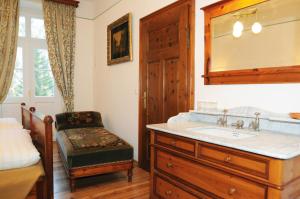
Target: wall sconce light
256,28
238,28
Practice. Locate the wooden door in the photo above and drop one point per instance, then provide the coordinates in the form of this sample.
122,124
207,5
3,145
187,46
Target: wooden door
166,68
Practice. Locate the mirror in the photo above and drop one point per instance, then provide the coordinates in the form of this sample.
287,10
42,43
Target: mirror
252,41
270,37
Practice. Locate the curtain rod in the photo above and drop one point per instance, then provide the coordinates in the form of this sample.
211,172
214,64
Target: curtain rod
67,2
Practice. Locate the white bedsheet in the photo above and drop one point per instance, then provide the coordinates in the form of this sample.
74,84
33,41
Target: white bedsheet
9,123
16,149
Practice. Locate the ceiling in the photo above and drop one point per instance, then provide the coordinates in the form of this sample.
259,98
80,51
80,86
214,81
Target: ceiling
102,5
87,8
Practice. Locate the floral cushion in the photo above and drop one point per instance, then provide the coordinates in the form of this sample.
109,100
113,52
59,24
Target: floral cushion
92,146
72,120
93,137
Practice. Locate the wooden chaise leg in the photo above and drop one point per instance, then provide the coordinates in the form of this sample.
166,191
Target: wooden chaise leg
129,174
72,184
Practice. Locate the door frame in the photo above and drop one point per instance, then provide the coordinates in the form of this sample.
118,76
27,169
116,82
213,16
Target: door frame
190,61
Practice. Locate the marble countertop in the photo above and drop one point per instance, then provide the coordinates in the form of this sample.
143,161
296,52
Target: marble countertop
271,144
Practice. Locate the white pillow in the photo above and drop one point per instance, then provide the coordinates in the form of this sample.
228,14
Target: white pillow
17,149
9,123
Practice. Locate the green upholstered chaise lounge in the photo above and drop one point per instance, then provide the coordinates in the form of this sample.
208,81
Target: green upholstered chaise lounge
87,149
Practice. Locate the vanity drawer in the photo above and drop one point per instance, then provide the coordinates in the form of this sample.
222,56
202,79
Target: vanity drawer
242,161
174,142
164,189
208,179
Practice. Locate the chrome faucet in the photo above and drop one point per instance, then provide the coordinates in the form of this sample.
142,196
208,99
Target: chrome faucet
222,121
255,123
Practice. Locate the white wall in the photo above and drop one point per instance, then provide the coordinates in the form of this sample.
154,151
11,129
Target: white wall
84,65
84,57
116,87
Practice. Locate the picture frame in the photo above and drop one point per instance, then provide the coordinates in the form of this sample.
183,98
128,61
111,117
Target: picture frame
119,40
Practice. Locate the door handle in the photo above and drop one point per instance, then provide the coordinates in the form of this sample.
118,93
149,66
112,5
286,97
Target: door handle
169,165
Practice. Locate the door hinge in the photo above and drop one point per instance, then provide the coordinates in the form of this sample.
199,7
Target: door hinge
145,99
188,35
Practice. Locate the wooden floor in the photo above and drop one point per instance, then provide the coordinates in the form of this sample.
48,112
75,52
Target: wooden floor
111,186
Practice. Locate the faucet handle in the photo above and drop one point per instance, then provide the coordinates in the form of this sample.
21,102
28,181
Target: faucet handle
225,111
257,114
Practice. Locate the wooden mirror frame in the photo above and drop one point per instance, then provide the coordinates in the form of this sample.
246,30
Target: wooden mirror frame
283,74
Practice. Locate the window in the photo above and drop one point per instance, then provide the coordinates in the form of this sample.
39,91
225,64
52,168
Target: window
22,32
32,74
44,83
17,86
37,28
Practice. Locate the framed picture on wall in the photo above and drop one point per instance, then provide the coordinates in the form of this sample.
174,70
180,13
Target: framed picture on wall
119,41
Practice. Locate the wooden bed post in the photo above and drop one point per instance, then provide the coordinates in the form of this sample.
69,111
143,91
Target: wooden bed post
22,113
40,127
49,155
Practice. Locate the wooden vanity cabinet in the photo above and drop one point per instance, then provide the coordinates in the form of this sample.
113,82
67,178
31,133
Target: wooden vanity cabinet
183,168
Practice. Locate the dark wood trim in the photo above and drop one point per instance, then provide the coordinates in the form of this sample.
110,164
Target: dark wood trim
288,74
191,56
67,2
40,127
266,75
226,6
191,70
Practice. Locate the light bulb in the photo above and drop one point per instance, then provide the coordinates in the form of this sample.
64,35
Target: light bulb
256,28
237,33
238,26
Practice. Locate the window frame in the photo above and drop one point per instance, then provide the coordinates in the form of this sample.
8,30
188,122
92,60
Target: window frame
28,45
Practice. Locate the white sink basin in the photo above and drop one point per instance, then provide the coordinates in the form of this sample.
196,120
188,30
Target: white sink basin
222,132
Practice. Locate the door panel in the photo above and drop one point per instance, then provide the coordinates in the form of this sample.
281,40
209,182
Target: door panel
154,97
171,92
163,38
165,69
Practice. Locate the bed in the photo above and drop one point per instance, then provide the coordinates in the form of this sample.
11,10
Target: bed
18,178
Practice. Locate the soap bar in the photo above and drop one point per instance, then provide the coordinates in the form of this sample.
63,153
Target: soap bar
295,116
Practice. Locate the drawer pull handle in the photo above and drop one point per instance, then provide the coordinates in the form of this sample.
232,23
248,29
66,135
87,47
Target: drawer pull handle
169,165
168,193
227,159
232,191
